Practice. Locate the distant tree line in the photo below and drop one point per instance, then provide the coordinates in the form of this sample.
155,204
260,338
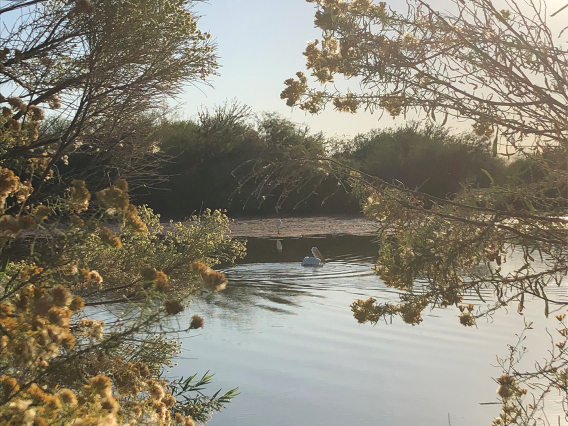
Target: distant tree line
206,160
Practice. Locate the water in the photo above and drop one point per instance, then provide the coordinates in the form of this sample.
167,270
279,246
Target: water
284,334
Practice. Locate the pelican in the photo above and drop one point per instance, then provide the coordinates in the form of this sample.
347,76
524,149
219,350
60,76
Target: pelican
278,225
279,245
317,260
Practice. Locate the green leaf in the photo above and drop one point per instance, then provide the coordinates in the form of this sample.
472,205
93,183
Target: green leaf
489,176
546,308
479,294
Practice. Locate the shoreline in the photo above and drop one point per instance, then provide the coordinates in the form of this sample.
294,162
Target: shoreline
291,227
297,227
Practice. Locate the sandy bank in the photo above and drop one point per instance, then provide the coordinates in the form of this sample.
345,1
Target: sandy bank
303,226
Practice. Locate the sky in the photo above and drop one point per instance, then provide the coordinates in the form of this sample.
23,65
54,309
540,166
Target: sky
260,44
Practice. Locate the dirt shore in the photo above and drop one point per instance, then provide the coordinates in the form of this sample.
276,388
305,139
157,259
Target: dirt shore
303,226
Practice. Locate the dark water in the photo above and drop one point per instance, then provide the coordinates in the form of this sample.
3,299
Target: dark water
284,334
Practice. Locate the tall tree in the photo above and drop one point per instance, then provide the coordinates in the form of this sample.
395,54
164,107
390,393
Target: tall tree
105,69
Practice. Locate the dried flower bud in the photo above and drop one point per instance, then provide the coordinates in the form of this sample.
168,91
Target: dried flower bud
155,390
101,385
61,296
121,184
161,281
26,222
9,226
41,212
36,113
149,274
77,304
68,397
75,221
18,104
173,307
80,196
196,322
14,125
108,237
54,102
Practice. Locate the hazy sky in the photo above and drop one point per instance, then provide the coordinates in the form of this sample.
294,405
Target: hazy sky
261,44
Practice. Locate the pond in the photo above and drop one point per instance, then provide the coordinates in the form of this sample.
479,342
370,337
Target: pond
284,334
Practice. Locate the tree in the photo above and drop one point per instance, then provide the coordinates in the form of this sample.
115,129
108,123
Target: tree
478,63
211,156
106,69
426,157
504,71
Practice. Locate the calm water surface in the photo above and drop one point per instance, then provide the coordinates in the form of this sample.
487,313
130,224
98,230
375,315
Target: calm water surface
284,334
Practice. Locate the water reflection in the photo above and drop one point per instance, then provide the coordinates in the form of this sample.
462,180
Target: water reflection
285,335
264,250
271,280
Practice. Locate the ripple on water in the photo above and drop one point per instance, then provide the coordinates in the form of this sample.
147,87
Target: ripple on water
285,335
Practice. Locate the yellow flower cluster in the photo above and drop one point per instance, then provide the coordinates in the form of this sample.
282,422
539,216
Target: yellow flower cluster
393,104
324,62
116,197
36,325
9,183
314,102
348,103
360,5
295,90
80,196
93,404
409,40
482,128
92,328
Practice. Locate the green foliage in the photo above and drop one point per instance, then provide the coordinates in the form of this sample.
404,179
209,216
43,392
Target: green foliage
215,156
105,69
52,330
200,407
428,159
212,156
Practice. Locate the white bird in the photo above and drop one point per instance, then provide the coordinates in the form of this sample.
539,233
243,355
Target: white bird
279,245
278,225
317,260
